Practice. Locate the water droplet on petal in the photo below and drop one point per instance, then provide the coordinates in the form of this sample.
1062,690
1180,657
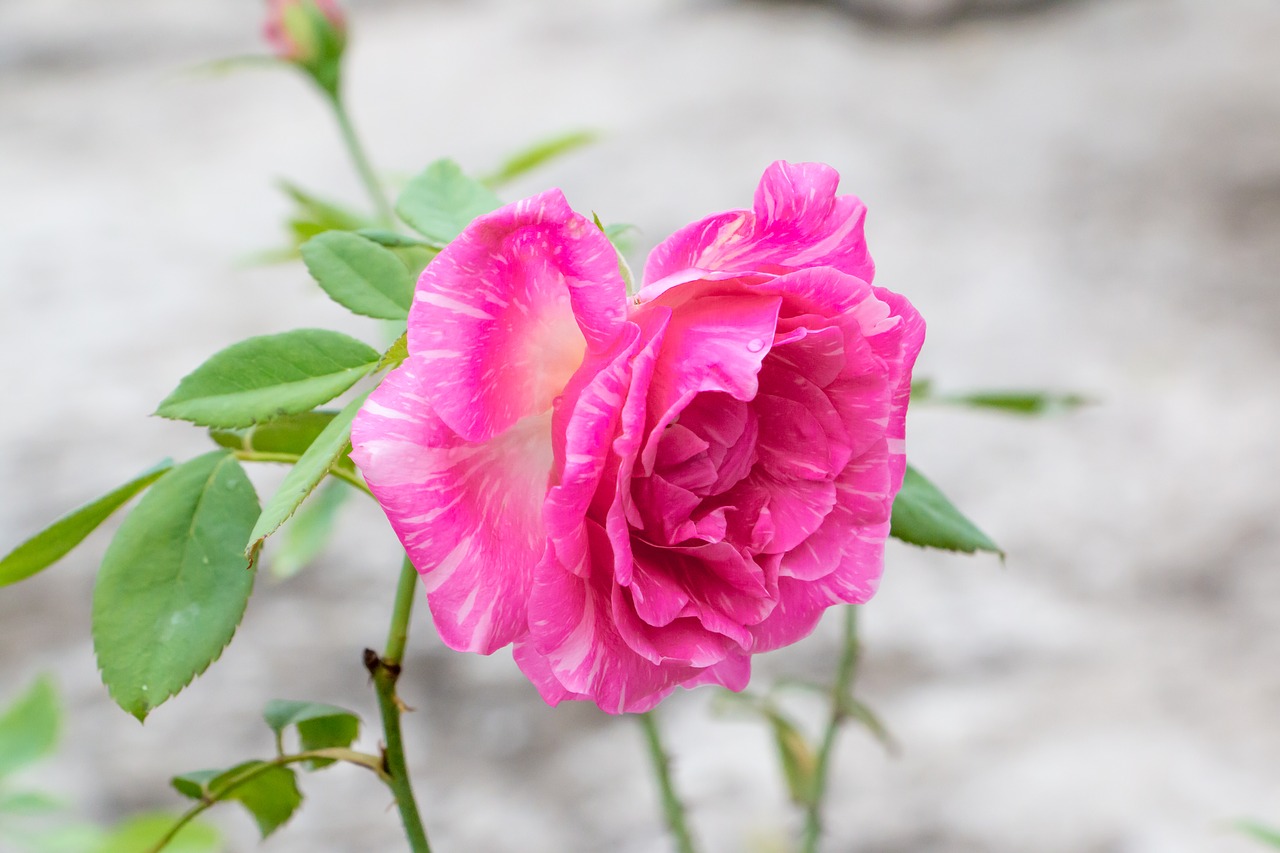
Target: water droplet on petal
755,345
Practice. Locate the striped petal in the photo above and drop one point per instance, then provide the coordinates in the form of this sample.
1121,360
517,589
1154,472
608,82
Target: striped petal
502,317
468,513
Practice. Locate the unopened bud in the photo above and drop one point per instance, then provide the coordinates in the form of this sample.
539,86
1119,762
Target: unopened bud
309,33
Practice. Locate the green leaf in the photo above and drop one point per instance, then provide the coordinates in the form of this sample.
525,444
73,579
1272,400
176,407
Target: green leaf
799,761
624,268
288,435
396,353
320,726
76,838
29,727
56,541
268,376
442,201
195,784
174,582
306,534
393,239
269,792
142,832
324,214
359,275
1016,402
25,803
271,795
923,516
539,154
331,446
1266,834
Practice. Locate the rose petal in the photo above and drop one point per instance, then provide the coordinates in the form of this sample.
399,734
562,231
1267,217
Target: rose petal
501,317
797,221
571,627
468,514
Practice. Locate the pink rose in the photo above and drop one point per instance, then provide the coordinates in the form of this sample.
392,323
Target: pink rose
643,494
302,30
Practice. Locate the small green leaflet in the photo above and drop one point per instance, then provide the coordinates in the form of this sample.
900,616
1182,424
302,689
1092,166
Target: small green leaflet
29,727
269,792
923,516
319,726
539,154
304,536
267,376
329,448
174,582
442,201
56,541
359,274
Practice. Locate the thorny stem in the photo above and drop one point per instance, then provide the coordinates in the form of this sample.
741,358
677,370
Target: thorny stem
361,161
845,673
385,670
672,806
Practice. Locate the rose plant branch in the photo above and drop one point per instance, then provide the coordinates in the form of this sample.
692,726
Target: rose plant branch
673,809
250,773
385,670
846,672
367,176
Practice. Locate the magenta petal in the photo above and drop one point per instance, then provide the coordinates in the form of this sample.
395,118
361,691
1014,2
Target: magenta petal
469,515
797,221
571,627
715,343
502,316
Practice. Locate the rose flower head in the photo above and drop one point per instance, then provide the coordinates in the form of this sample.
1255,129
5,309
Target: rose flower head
642,494
309,33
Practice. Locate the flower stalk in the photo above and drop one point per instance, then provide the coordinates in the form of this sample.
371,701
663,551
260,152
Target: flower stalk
846,672
385,670
358,157
672,806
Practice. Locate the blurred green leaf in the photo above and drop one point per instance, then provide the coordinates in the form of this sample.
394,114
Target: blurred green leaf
393,239
1266,834
308,532
268,376
359,274
29,727
174,582
331,446
142,832
539,154
442,201
319,726
26,803
56,541
799,761
923,516
1010,402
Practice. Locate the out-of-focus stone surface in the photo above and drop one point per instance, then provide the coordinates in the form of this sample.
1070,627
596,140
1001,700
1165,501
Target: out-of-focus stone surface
1087,199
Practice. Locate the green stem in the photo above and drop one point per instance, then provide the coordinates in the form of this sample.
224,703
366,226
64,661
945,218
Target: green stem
292,458
672,806
361,161
385,670
372,762
845,673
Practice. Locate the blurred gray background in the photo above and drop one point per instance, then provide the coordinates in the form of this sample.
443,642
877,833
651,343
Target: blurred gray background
1080,196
